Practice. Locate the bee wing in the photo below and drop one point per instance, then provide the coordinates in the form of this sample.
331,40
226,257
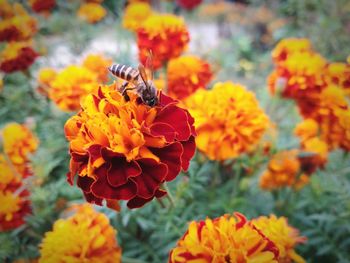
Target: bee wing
143,74
149,65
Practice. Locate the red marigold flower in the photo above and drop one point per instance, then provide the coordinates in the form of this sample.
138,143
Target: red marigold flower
188,4
42,5
13,197
224,239
17,24
126,150
17,56
186,74
165,35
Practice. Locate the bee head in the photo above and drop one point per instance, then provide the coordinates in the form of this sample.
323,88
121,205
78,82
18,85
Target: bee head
149,96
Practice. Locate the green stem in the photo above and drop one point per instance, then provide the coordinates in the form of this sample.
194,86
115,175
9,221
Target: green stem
169,195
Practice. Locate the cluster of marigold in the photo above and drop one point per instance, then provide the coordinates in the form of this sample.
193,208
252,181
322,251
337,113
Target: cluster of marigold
320,89
17,28
229,238
17,144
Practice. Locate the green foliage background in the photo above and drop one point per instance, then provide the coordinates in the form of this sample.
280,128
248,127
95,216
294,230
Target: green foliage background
321,210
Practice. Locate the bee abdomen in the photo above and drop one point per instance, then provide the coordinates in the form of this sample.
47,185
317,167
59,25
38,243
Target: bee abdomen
124,72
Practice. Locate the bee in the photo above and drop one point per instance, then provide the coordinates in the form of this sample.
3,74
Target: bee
142,83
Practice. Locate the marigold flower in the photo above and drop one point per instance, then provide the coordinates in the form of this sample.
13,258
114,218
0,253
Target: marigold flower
307,129
17,24
165,35
87,236
229,116
289,46
332,107
285,237
17,56
71,85
45,77
186,74
14,201
188,4
18,143
283,170
126,150
135,14
338,74
98,64
316,157
92,12
42,5
224,239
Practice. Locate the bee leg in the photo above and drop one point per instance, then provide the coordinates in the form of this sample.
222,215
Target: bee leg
123,90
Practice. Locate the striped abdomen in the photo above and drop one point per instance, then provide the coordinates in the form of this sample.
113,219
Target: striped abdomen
124,72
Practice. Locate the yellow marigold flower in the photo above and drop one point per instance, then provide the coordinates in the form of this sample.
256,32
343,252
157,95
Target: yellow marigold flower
45,77
186,74
283,170
71,85
224,239
92,12
17,56
86,236
17,24
135,14
307,129
165,35
285,237
229,116
18,142
289,46
99,65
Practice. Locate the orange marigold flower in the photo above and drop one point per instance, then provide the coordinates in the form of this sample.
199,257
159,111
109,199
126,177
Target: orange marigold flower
99,65
17,24
283,170
165,35
17,56
285,237
87,236
229,116
71,85
92,12
135,14
18,142
289,46
126,150
42,5
188,4
45,77
186,74
224,239
6,9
